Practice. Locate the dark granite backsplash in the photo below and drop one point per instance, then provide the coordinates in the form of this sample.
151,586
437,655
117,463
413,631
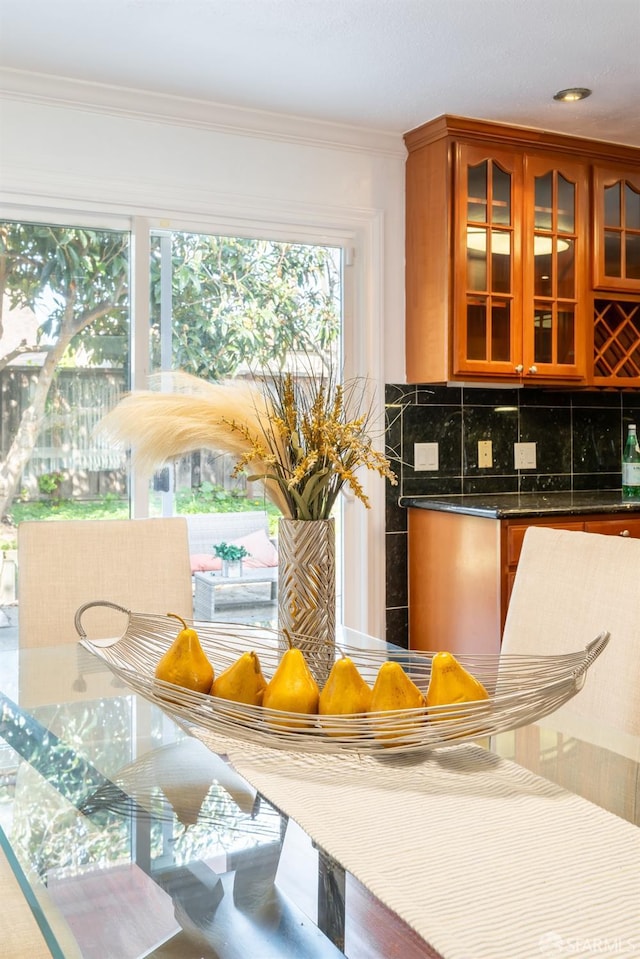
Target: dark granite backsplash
578,434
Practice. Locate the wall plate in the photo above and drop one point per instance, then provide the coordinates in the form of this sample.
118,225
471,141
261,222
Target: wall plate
485,454
524,456
425,456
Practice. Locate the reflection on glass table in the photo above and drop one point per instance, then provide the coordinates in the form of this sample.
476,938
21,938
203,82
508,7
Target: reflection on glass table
131,839
130,834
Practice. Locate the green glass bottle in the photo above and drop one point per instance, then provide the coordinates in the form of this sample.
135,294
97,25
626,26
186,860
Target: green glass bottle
631,465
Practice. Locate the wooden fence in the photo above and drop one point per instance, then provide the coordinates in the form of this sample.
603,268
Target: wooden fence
67,443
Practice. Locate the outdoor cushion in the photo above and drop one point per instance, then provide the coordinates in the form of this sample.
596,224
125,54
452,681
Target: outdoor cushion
204,562
261,550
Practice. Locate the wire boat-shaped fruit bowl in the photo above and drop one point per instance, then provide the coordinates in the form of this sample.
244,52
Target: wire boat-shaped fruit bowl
522,689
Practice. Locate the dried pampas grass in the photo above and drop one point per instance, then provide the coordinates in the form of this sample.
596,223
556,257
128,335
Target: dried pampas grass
194,415
304,439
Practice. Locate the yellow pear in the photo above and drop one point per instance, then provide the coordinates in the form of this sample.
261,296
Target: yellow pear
185,663
242,682
450,682
344,693
292,688
394,689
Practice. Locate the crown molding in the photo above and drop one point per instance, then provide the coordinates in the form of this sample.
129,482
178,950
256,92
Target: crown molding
190,204
28,87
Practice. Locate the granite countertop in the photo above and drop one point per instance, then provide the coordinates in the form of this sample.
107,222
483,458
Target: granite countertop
514,505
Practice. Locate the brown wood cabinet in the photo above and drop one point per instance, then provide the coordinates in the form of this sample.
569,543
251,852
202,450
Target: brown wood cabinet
519,265
501,254
462,568
616,340
616,270
616,229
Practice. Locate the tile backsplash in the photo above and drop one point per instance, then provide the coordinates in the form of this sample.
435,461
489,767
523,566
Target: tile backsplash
578,435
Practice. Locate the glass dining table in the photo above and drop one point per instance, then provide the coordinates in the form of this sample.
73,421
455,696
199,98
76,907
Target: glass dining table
130,838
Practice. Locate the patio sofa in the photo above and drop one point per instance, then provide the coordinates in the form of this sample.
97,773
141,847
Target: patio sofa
248,529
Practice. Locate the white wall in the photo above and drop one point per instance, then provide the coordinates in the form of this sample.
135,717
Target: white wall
85,146
77,148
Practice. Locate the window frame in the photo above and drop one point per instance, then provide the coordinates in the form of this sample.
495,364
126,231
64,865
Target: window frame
360,236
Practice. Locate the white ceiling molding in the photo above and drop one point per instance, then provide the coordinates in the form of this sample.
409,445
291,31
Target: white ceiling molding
30,87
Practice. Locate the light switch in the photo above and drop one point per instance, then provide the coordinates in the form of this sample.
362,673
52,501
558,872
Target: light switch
524,456
425,456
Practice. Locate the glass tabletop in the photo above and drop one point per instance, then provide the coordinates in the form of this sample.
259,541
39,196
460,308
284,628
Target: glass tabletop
132,839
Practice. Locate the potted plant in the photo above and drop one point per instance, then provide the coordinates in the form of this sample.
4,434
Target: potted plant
305,436
231,556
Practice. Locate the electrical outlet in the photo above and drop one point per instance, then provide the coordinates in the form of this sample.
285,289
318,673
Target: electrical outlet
425,456
485,454
524,456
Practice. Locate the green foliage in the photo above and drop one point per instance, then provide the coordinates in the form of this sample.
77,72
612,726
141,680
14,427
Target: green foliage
235,301
239,300
230,552
110,507
49,483
77,277
206,499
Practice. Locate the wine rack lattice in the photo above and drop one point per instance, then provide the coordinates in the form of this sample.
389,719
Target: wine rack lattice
616,341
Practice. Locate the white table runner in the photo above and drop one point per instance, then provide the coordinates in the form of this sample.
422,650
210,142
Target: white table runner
482,858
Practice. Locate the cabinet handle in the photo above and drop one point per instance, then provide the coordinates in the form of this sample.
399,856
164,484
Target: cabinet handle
625,532
533,369
519,368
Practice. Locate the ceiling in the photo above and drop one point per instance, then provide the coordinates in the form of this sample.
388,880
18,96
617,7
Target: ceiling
386,65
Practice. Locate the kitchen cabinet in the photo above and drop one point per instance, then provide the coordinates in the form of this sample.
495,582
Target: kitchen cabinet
616,341
609,526
519,266
616,229
462,568
500,252
616,276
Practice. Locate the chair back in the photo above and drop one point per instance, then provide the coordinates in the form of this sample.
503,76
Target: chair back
570,586
141,564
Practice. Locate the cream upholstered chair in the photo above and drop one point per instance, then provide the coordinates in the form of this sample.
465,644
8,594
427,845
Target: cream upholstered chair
21,935
569,587
141,564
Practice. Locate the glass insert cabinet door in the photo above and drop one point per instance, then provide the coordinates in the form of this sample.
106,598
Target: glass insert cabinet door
554,268
487,290
617,230
520,265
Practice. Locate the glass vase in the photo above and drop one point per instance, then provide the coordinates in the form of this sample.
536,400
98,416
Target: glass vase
307,589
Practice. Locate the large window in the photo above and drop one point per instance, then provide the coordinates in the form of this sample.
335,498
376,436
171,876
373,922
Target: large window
64,358
219,307
225,307
230,307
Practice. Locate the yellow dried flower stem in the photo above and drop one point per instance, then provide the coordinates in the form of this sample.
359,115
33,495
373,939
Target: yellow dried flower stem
293,438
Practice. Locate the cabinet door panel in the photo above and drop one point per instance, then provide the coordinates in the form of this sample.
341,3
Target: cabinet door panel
624,526
555,238
515,536
616,240
486,320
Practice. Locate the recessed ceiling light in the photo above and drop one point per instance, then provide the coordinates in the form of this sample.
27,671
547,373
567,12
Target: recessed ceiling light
571,94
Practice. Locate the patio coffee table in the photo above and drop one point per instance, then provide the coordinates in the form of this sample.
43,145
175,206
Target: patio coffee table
208,584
